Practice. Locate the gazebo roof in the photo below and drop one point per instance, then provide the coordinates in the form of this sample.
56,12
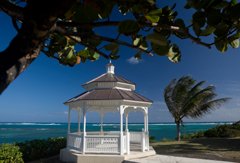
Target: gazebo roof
109,77
110,87
109,94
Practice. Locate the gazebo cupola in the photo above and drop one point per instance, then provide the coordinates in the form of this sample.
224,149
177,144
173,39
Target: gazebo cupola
108,93
109,80
110,68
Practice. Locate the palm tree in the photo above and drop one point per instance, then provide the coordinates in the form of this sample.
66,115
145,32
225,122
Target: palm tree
184,98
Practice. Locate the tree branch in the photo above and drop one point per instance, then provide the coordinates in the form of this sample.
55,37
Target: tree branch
121,43
116,23
15,25
93,48
64,32
12,10
27,44
83,25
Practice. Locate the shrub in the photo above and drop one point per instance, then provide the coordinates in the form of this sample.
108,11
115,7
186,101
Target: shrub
193,135
10,153
223,131
218,131
36,149
152,139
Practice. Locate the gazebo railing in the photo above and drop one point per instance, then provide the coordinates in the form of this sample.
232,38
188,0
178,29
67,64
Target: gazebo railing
107,142
102,144
135,137
103,133
140,138
74,141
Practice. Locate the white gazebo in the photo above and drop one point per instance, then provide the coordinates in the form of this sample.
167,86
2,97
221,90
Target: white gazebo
107,93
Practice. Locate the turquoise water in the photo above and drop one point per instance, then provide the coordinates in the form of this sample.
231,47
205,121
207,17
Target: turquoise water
17,132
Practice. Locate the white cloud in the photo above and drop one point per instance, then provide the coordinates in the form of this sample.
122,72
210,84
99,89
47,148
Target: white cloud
133,60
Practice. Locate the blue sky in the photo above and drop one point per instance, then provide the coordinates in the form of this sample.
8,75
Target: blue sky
37,95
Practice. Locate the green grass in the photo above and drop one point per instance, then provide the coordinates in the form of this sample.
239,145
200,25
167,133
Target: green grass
226,149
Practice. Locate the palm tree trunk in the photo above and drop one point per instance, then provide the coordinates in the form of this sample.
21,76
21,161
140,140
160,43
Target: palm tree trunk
178,132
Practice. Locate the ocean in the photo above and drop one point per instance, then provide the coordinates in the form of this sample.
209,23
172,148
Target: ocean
19,132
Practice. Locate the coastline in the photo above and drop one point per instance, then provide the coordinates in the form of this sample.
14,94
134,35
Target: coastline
22,131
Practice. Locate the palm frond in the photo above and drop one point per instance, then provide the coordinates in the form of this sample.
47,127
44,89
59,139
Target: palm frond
181,89
184,98
207,107
168,98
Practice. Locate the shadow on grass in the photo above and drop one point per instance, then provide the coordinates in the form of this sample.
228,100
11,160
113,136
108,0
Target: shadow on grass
228,144
204,148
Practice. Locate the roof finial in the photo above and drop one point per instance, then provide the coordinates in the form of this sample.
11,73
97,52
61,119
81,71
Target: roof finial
110,67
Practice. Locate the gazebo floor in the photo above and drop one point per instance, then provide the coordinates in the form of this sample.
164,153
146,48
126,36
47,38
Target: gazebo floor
71,156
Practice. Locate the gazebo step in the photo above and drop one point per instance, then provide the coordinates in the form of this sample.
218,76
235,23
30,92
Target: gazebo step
71,156
140,154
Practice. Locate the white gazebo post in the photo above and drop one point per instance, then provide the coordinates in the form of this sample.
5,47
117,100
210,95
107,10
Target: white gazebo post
147,132
144,131
126,122
79,120
84,130
127,133
121,129
69,120
145,121
101,121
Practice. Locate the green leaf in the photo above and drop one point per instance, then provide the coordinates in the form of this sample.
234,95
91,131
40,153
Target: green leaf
196,29
85,14
111,47
96,56
114,57
209,30
93,55
83,53
174,54
234,12
157,39
152,2
189,4
114,48
143,44
221,29
106,7
235,43
214,17
221,44
152,18
154,15
70,53
199,18
180,23
93,42
234,2
128,27
136,41
155,12
220,5
160,50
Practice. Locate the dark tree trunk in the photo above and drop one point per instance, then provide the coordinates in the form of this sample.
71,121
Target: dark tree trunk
39,20
178,131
